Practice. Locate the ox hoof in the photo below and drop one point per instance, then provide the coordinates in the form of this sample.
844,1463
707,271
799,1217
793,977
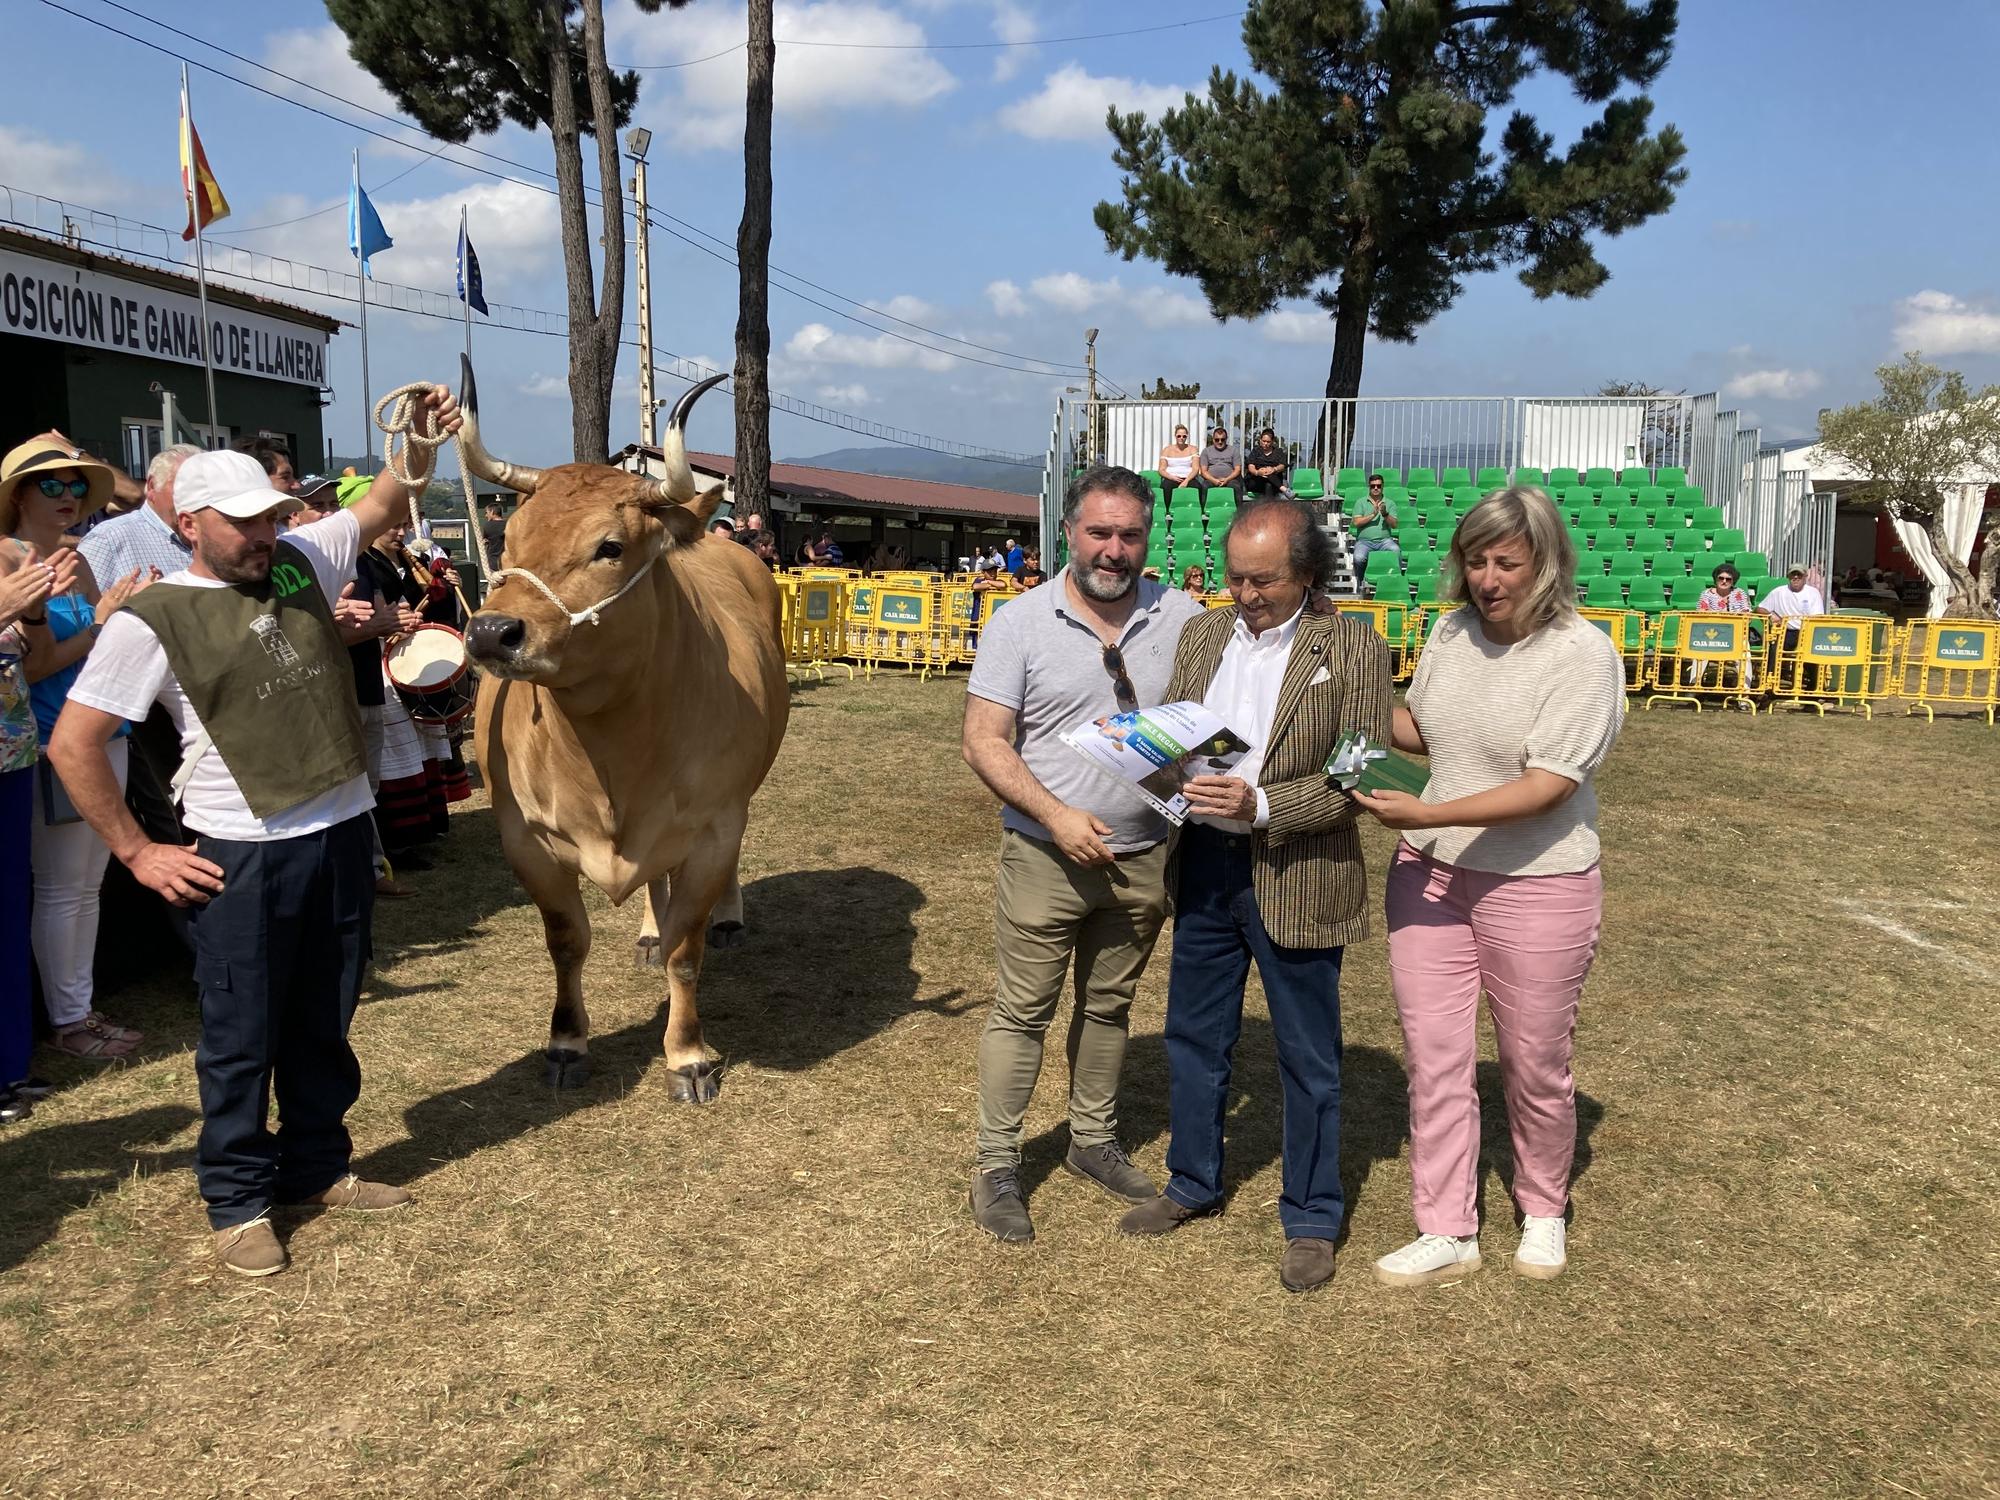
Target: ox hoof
565,1068
727,935
694,1083
646,953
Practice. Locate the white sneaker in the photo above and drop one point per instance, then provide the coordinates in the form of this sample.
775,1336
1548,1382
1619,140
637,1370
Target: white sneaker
1543,1250
1429,1258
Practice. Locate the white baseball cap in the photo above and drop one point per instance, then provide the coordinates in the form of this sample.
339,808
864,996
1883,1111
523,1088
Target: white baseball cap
230,482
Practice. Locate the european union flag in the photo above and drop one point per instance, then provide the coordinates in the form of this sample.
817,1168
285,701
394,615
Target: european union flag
365,234
470,290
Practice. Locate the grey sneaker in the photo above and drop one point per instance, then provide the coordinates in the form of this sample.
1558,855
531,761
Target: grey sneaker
998,1207
1110,1168
1160,1215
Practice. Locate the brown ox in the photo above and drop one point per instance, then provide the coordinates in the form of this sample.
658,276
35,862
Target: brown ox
623,731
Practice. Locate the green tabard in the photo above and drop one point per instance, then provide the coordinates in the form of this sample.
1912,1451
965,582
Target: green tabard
264,669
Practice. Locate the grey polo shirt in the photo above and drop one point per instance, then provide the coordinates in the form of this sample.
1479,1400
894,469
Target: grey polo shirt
1047,664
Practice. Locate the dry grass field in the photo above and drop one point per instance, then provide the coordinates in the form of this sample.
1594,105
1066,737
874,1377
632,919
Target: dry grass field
1784,1251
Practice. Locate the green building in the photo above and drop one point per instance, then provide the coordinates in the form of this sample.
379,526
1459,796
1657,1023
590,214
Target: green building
91,343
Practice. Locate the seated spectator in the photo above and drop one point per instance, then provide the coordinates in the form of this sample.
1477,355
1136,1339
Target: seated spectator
1375,527
1792,601
1268,466
1177,460
42,495
1722,596
1194,581
1220,465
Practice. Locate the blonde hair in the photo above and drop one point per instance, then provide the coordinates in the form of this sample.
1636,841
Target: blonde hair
1526,512
1192,570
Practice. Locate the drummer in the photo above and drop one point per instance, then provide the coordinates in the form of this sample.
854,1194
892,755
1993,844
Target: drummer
411,805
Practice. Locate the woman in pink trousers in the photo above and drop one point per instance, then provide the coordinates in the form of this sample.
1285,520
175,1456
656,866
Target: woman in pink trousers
1495,886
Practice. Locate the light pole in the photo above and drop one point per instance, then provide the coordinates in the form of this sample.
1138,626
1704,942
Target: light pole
636,141
1090,415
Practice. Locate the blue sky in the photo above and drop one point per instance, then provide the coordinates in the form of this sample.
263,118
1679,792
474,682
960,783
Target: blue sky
1841,208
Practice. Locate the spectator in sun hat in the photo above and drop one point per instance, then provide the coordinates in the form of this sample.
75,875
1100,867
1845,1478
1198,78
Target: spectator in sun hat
242,650
1722,596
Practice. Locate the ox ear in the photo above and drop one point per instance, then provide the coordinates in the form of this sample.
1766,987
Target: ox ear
686,520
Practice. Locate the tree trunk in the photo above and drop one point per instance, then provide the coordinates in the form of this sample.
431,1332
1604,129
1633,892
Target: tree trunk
589,415
1989,572
753,258
1963,602
610,316
1350,344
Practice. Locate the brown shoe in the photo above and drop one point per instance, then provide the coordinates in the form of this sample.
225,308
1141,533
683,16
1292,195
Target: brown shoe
363,1197
1305,1265
385,886
250,1249
1161,1215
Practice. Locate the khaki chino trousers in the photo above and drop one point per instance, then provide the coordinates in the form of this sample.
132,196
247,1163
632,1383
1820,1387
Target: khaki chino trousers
1053,921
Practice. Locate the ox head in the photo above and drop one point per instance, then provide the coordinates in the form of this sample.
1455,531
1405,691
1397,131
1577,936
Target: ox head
575,550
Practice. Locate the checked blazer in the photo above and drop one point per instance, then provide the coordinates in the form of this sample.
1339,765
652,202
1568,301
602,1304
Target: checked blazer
1311,886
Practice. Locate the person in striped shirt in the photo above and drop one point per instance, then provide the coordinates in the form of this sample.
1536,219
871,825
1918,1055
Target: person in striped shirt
1495,887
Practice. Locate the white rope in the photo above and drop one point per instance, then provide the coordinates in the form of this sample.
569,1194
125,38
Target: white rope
401,422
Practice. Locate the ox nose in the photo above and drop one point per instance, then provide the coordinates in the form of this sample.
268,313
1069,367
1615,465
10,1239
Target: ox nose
491,637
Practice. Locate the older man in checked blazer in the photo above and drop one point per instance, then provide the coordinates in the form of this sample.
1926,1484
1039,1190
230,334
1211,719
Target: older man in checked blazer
1268,868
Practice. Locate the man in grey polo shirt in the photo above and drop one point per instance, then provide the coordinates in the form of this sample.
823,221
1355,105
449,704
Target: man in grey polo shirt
1082,879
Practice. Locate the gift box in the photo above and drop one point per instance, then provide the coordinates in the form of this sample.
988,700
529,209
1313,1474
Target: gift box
1359,765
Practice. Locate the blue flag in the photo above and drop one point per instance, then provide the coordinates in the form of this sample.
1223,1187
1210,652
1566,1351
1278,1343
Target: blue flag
470,289
365,234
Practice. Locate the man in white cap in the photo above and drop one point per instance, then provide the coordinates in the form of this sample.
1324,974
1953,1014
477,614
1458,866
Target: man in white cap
241,650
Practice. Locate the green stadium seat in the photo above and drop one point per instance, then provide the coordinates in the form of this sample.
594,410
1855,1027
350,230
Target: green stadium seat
1430,494
1395,494
1671,479
1685,593
1690,495
1604,593
1753,564
1159,558
1614,497
1390,477
1627,565
1455,479
1383,565
1611,539
1420,479
1465,497
1564,479
1350,476
1531,476
1594,518
1221,516
1185,494
1649,539
1223,496
1683,541
1649,594
1634,479
1757,588
1576,494
1353,505
1424,590
1727,540
1599,479
1307,484
1415,563
1444,531
1706,517
1588,566
1629,518
1491,479
1154,477
1413,538
1653,498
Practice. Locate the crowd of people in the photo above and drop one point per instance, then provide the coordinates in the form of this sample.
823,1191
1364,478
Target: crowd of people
1494,888
193,681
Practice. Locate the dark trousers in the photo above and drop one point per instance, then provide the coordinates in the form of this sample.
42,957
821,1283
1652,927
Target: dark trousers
279,958
17,1016
1217,932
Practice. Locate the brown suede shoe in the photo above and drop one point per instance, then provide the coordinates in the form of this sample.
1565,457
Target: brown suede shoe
364,1197
250,1249
1161,1215
1305,1265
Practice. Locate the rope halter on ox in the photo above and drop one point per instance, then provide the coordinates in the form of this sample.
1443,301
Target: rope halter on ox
676,488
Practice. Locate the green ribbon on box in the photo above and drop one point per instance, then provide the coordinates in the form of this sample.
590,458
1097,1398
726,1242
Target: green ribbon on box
1357,765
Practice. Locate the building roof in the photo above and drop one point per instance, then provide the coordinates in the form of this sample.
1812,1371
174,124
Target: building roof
90,258
824,488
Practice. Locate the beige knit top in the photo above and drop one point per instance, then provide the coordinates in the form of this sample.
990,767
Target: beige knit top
1488,712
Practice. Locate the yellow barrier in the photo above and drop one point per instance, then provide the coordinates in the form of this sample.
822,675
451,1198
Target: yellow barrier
1627,629
906,629
1702,656
1397,624
1832,661
818,636
1955,663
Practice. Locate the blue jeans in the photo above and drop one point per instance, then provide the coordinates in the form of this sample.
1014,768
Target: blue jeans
17,1019
1217,932
1381,544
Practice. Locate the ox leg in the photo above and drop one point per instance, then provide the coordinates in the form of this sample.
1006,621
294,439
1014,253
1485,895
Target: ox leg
695,1074
566,928
646,952
725,923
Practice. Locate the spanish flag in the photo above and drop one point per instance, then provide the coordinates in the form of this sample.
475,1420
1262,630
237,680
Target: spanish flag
198,185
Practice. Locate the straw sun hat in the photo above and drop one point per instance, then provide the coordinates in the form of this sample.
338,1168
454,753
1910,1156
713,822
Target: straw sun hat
39,456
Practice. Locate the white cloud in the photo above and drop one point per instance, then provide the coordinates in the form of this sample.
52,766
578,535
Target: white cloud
1074,293
910,309
546,387
60,169
1160,307
1071,105
846,395
1006,299
1939,323
1012,24
701,107
1780,385
816,344
1293,327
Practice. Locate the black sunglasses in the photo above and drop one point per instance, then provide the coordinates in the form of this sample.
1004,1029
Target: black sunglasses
1121,680
53,487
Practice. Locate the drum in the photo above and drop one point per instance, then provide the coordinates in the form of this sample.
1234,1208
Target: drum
433,675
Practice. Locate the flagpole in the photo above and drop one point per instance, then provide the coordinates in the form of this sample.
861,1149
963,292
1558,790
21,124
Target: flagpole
465,279
360,266
188,186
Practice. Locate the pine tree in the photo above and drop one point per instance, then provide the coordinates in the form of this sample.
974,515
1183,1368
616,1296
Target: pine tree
459,70
1364,180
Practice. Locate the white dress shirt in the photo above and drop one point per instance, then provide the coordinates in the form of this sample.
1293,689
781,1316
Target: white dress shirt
1244,695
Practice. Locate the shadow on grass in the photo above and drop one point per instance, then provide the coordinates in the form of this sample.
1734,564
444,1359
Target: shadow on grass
826,966
47,1174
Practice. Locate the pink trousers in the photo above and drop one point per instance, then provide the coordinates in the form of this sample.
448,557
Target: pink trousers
1527,941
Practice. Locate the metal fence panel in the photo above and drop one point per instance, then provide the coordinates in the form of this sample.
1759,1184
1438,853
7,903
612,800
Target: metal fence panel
1423,432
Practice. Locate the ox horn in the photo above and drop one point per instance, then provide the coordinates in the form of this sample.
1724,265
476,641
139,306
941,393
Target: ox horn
517,477
678,487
